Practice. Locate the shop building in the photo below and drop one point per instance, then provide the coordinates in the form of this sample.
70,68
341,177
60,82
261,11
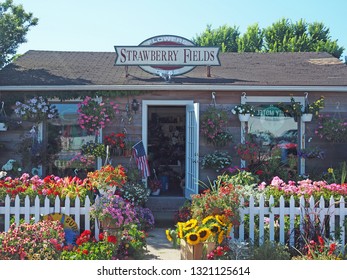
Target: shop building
161,103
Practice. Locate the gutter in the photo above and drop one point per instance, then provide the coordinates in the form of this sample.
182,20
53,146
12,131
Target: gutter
174,87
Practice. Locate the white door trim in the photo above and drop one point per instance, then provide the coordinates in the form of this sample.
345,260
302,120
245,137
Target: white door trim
146,103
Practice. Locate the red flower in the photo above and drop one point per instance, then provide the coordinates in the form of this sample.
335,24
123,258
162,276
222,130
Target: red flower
85,251
259,172
101,236
332,248
112,239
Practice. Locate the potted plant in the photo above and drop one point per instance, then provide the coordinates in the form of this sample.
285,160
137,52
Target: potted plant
116,142
108,177
306,112
36,109
311,153
292,109
248,151
312,109
94,149
217,160
94,115
155,186
244,111
213,124
331,129
212,215
113,212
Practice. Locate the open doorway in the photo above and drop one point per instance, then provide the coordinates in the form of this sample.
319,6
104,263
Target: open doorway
166,142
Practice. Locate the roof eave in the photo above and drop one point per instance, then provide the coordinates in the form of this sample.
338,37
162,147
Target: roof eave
171,87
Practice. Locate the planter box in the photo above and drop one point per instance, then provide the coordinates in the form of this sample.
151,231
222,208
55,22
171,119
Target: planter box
196,252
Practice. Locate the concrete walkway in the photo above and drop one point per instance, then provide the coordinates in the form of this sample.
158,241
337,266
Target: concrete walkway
159,248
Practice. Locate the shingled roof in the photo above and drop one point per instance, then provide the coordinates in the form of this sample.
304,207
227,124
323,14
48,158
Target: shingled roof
56,68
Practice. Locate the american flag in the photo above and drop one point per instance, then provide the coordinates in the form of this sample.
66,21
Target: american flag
141,159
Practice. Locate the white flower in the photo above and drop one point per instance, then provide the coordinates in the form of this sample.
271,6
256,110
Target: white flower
3,174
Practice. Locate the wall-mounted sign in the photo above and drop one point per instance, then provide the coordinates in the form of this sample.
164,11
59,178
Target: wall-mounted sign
167,54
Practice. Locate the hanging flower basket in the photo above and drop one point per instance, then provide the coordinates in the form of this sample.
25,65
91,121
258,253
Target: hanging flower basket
306,117
244,117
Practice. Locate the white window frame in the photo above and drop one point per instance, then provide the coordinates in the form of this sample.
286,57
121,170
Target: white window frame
275,100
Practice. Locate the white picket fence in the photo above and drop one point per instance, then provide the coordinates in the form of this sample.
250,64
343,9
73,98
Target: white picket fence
312,213
262,211
35,211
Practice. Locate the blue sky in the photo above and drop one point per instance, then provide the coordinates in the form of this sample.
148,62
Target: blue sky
84,25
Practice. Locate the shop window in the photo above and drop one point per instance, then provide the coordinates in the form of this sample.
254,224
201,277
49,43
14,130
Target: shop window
274,139
65,139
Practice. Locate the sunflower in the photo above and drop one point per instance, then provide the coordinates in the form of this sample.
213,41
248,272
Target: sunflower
190,224
192,238
204,233
215,228
168,236
207,219
221,219
220,237
180,229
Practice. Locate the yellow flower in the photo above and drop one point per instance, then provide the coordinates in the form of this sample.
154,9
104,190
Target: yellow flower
330,170
215,228
221,237
190,224
221,219
204,233
229,229
180,229
192,238
168,236
207,219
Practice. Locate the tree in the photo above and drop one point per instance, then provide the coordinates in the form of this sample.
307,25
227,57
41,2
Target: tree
285,36
281,36
14,25
224,36
252,40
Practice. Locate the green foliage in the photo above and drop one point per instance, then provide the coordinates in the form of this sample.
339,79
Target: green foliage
286,36
282,36
252,40
14,25
94,149
224,36
217,160
331,128
270,251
